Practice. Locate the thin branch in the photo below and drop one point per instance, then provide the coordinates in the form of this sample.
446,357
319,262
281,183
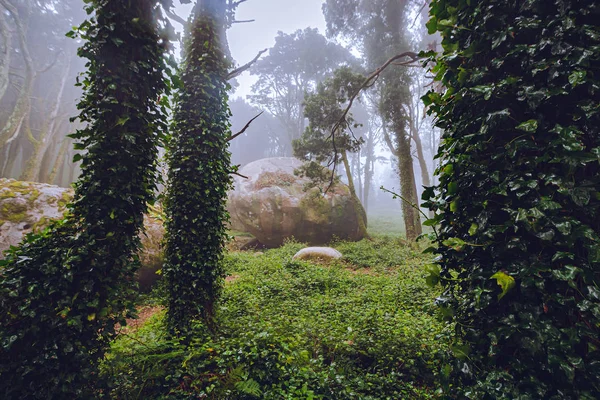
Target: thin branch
52,64
238,71
419,13
243,21
175,17
368,82
245,127
240,175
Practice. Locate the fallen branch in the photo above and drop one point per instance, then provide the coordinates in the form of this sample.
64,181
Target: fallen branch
245,127
238,71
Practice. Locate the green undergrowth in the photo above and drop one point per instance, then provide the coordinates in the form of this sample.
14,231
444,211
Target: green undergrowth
361,328
386,223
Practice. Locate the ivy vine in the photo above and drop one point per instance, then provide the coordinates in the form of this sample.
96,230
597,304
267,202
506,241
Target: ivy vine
198,179
519,196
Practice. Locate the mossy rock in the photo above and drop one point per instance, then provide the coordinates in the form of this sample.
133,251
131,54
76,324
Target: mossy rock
274,204
30,207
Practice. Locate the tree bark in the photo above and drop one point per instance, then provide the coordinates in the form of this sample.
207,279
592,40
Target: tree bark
5,45
33,170
359,210
368,171
412,219
58,162
22,106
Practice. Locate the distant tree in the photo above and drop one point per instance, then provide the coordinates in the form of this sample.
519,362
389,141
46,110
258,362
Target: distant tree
296,64
62,292
518,203
328,137
379,27
37,96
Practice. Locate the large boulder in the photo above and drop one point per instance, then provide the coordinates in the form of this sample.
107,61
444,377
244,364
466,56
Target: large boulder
273,204
29,207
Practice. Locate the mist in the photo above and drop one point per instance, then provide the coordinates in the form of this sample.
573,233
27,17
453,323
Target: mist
299,46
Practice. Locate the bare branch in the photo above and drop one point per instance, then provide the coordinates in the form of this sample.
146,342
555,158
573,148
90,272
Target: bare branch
175,17
240,175
238,71
245,127
243,21
368,82
52,64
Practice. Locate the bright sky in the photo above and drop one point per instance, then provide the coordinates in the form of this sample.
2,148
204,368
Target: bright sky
246,40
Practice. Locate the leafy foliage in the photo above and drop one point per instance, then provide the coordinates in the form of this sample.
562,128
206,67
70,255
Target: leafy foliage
199,168
296,330
295,64
63,291
323,108
518,202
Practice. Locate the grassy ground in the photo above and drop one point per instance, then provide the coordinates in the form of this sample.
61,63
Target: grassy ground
362,328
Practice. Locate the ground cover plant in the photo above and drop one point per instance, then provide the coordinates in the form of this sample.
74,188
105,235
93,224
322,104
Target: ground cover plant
362,328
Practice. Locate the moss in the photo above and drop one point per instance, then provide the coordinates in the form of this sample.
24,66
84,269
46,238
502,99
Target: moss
13,212
268,179
19,186
7,194
316,207
34,194
41,224
64,200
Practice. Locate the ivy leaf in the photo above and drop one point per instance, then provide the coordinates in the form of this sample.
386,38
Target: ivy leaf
461,351
455,243
528,126
433,277
576,78
505,281
473,229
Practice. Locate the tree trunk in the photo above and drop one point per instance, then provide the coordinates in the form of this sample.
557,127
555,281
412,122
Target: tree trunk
58,162
33,170
360,212
412,219
22,106
369,167
5,45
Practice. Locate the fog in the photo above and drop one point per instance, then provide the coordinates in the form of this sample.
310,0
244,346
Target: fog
39,69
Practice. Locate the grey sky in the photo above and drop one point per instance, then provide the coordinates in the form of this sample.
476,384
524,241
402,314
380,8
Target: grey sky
271,16
246,40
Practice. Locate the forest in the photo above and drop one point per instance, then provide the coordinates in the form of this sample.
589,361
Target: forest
300,199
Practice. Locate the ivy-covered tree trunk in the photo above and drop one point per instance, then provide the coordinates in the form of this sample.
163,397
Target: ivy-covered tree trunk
198,178
63,291
518,201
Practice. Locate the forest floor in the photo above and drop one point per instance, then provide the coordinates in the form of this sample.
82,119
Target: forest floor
363,327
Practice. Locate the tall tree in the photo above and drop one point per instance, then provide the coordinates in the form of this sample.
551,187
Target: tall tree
319,143
379,28
295,65
198,177
37,75
518,203
63,291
